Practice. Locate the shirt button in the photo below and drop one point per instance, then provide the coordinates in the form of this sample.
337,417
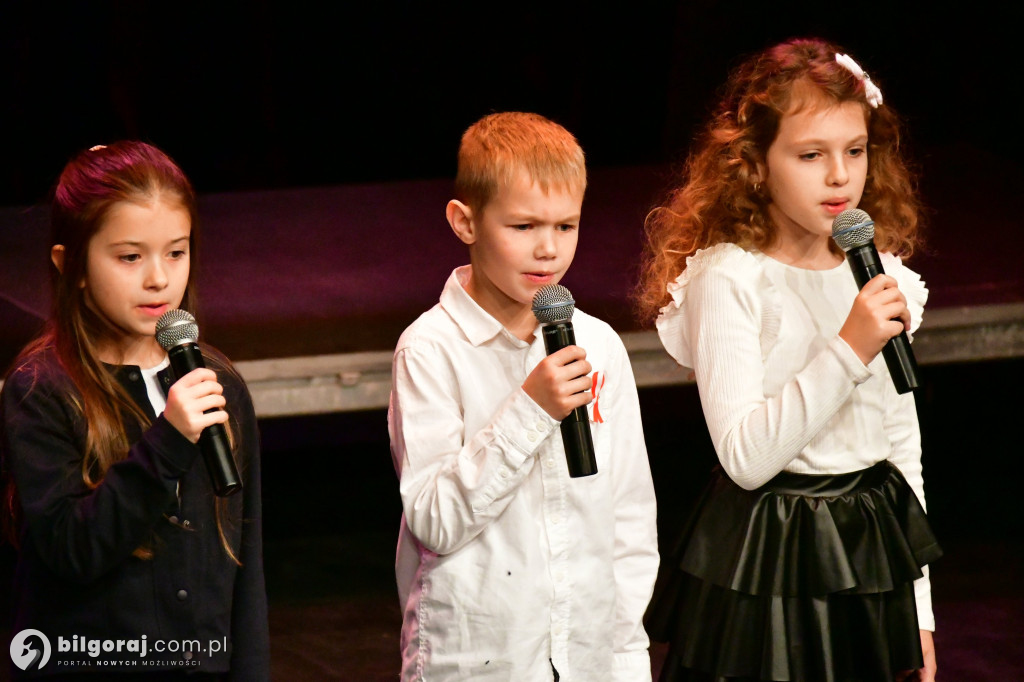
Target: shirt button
503,473
541,426
549,463
182,595
532,437
557,629
556,519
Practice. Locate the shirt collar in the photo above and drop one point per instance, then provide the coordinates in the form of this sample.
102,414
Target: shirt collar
477,324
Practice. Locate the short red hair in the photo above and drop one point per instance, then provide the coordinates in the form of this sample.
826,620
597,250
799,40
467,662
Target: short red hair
498,147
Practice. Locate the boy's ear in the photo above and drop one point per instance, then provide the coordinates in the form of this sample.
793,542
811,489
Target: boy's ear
57,256
460,217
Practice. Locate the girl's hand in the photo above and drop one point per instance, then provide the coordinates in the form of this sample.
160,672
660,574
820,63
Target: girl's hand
879,313
190,397
927,673
559,383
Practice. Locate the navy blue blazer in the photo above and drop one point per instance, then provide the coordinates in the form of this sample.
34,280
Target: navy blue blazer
76,574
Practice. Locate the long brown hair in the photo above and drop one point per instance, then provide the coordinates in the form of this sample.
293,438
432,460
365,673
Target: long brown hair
91,184
719,199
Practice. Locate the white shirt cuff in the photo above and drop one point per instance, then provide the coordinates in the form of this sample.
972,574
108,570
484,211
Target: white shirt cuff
524,424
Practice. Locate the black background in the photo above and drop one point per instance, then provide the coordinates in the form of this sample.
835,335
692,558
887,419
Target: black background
273,94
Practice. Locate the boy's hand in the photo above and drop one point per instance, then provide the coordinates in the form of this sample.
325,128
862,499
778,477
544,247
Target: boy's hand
559,383
879,313
189,398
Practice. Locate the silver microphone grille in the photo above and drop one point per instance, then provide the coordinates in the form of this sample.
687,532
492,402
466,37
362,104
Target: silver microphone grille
176,327
553,303
852,228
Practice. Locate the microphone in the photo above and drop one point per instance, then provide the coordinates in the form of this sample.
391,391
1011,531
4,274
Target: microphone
177,333
553,307
853,231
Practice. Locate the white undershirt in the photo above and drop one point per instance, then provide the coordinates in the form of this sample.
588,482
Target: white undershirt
153,389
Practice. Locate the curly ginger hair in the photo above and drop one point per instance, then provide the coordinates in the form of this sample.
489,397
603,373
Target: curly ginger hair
720,198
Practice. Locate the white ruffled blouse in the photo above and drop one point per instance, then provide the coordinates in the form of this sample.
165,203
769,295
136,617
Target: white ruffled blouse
780,390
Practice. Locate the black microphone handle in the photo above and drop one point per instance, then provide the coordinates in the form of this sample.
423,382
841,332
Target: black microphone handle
576,438
213,441
899,357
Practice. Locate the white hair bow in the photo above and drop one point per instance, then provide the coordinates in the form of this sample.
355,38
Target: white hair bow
871,91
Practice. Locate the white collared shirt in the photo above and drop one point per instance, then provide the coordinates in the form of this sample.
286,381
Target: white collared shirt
505,564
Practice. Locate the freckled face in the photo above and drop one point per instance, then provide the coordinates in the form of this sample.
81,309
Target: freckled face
137,265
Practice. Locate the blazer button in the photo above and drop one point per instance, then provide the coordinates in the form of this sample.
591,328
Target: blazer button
173,519
134,376
182,595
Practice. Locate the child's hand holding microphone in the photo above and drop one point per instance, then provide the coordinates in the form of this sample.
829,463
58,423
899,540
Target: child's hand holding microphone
880,310
194,402
198,403
560,382
879,313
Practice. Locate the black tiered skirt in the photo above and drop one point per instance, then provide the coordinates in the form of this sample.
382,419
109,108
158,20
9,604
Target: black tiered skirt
807,578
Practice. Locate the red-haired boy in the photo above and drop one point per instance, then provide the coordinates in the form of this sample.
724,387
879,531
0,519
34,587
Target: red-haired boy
507,568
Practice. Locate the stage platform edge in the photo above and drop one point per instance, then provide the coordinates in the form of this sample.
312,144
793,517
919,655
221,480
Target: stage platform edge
347,382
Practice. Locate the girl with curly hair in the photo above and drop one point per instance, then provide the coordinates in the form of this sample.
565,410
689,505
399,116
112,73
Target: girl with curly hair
806,556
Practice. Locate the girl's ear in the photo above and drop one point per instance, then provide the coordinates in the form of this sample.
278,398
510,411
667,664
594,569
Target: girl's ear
757,179
760,173
460,217
57,256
